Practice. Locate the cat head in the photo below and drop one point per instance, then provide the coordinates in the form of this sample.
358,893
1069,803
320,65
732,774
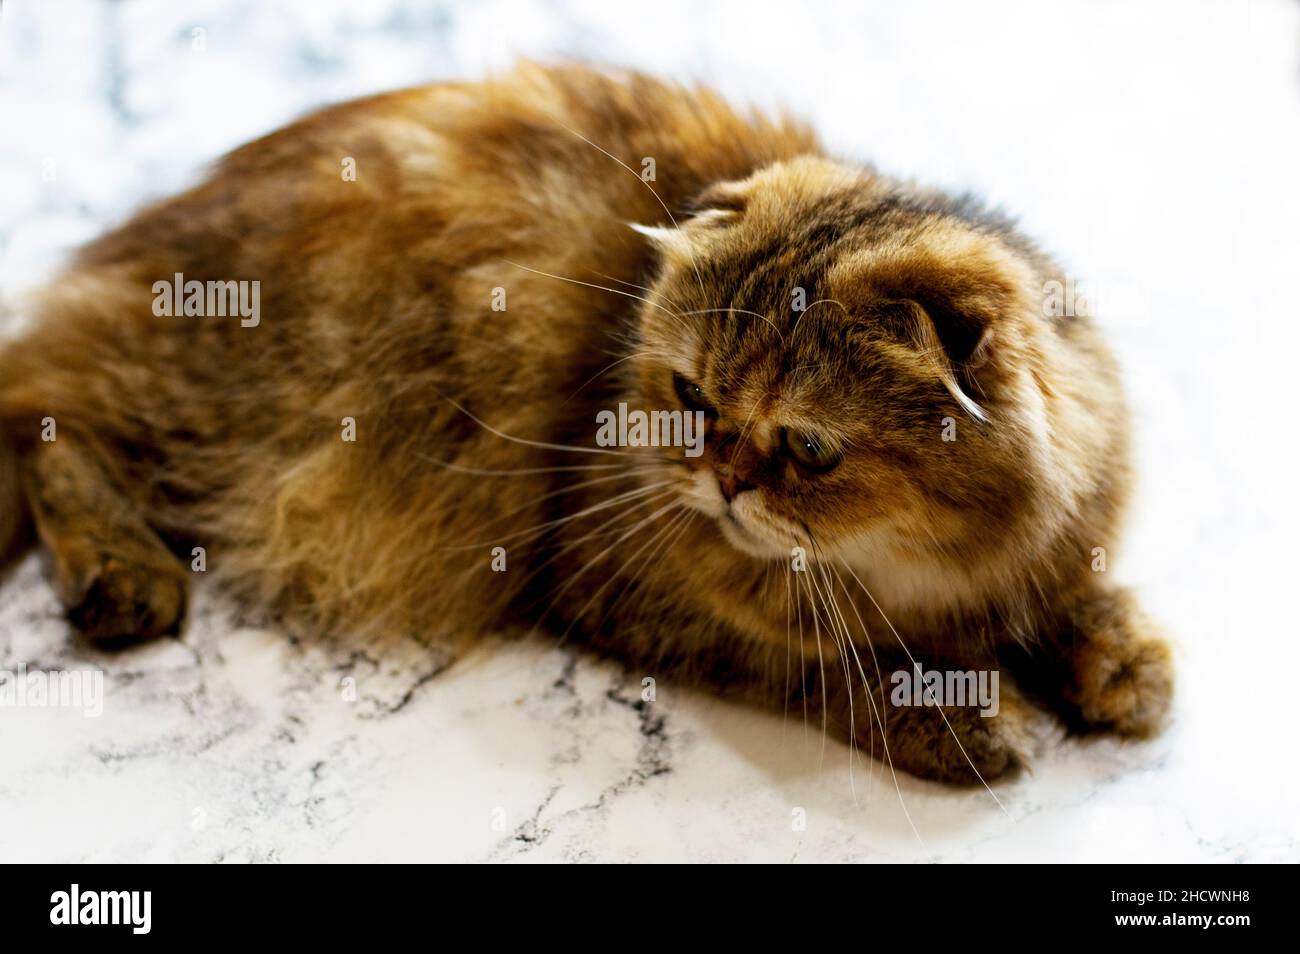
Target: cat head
866,357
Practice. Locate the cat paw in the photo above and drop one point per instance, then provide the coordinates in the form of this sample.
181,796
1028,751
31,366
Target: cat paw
1123,685
958,745
121,602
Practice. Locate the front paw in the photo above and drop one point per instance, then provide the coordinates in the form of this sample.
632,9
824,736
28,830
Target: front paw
956,744
1123,677
1125,687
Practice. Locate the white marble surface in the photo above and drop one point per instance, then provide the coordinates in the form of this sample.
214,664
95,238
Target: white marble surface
1154,144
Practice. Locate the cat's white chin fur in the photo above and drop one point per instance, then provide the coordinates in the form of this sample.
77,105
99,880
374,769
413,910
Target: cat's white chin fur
740,536
736,521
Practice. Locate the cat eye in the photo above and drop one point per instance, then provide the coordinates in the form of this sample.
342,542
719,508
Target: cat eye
691,395
809,451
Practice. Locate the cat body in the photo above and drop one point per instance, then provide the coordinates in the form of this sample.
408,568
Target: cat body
904,461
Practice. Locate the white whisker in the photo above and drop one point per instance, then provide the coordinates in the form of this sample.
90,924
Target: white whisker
912,658
631,171
736,311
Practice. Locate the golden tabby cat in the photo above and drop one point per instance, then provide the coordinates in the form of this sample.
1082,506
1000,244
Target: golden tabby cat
362,364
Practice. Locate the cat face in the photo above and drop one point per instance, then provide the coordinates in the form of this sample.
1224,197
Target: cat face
863,356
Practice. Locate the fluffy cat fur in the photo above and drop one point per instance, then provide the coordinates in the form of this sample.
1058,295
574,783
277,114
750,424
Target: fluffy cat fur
474,427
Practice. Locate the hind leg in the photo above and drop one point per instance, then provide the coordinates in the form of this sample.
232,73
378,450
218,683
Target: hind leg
117,580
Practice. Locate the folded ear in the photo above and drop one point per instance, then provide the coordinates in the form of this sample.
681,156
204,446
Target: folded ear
663,236
964,284
719,205
730,196
952,292
691,232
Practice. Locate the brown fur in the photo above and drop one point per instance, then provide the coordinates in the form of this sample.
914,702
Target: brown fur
176,432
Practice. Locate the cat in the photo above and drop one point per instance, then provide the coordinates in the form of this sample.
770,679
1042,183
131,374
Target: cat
904,461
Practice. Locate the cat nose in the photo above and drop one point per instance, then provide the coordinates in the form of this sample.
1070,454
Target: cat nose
731,483
733,466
